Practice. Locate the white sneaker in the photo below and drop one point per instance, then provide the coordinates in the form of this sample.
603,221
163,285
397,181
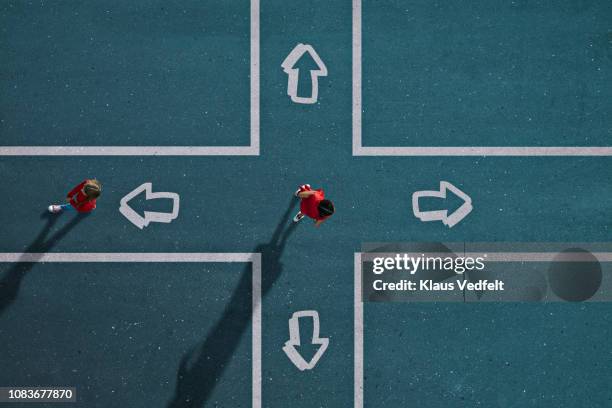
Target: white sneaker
54,209
298,217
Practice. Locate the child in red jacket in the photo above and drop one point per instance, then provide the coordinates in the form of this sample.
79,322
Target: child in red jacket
81,198
313,205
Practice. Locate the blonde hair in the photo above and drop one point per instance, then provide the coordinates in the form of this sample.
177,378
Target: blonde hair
92,189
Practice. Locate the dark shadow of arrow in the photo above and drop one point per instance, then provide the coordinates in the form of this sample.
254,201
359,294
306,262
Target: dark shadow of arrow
201,368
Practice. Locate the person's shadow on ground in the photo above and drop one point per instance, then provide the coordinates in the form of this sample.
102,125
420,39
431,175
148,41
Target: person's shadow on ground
202,367
11,281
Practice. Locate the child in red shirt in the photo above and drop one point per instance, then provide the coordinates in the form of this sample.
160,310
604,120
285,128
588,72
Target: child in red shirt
313,205
81,198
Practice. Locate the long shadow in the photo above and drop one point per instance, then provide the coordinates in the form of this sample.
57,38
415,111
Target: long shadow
11,281
201,368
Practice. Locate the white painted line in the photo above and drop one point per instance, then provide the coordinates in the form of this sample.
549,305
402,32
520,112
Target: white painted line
129,150
252,150
481,150
254,78
360,150
356,77
256,323
254,258
128,257
358,339
497,256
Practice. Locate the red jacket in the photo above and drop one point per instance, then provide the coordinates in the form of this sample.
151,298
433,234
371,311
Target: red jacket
310,205
78,199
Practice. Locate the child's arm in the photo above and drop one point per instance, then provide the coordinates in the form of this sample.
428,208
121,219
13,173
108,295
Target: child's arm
75,190
306,194
318,223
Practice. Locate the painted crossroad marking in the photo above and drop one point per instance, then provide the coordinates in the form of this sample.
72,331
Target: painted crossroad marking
358,322
360,150
171,257
251,150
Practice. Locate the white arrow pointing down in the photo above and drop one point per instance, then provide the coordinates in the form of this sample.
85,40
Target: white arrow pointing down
294,340
149,216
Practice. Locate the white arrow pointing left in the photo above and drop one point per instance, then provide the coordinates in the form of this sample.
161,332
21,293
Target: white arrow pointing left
149,216
290,347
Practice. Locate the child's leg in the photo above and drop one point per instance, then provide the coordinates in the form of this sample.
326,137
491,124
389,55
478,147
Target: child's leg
298,216
56,209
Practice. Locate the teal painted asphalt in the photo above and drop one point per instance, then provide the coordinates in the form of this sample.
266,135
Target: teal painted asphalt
177,74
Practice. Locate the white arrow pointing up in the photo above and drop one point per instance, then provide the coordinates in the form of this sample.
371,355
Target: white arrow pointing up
442,215
149,216
294,73
294,340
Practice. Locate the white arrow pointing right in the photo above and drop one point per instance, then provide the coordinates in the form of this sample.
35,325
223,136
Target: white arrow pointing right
442,215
